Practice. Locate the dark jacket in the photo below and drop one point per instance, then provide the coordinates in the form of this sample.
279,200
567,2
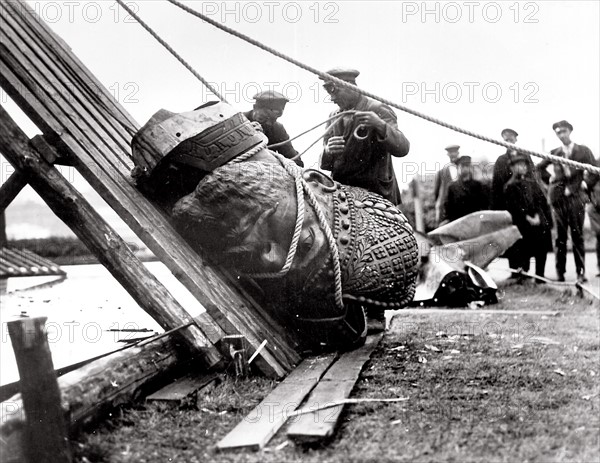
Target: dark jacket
566,176
524,197
443,179
276,133
367,163
502,174
464,197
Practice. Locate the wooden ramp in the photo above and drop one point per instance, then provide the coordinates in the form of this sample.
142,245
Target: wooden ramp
24,263
316,383
89,130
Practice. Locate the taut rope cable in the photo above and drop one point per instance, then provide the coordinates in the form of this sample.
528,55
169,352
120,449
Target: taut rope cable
335,116
171,50
342,83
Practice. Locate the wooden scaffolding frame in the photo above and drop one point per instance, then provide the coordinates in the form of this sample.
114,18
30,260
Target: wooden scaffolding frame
83,126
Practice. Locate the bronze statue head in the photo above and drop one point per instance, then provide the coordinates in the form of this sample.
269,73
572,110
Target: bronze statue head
318,251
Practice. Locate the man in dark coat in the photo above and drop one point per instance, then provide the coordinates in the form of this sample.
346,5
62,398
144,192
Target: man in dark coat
267,109
443,178
568,197
530,212
502,170
466,195
359,146
502,174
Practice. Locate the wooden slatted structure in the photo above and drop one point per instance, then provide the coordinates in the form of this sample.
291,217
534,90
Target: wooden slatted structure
78,116
24,263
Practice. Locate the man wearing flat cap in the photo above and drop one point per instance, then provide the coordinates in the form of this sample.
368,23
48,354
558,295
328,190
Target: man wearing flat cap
502,170
443,178
359,145
268,107
568,194
465,195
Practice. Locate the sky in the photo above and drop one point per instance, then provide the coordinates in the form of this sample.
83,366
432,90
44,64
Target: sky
479,65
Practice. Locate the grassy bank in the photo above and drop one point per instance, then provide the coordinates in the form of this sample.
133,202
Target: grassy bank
481,387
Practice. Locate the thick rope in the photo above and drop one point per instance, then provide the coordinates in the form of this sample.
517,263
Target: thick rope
335,254
295,237
342,83
248,154
329,129
171,50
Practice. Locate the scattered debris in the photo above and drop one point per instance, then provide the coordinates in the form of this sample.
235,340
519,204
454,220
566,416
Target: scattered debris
432,348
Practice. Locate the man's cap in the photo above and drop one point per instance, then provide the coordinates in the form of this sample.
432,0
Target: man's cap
561,124
514,132
346,74
452,148
270,99
519,157
463,161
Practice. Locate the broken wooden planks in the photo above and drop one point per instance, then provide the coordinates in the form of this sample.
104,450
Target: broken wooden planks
182,388
266,418
337,384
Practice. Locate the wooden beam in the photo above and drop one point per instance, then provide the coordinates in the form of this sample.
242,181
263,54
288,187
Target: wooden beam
10,189
95,134
70,206
316,427
91,392
262,423
45,430
3,239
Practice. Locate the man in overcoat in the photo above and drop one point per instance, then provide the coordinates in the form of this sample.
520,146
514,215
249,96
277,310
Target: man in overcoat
359,145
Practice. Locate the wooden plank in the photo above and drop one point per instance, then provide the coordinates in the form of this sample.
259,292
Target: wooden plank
70,206
75,99
337,384
255,431
182,388
81,137
11,188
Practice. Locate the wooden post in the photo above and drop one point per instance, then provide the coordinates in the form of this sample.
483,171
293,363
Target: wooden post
46,431
238,349
3,239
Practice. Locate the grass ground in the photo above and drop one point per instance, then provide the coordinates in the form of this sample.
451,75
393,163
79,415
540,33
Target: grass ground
481,387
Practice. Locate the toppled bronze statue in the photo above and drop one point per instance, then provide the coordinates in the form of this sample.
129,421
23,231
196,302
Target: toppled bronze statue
316,252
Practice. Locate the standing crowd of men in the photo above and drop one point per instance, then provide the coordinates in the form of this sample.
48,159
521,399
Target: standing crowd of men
362,136
536,200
